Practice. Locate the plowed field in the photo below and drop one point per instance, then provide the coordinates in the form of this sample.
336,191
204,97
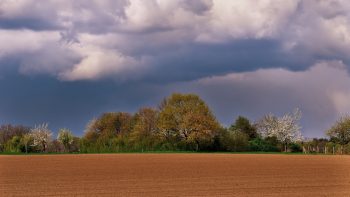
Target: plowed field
175,175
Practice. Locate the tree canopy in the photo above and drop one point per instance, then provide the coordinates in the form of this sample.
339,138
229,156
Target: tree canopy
243,125
187,117
286,128
340,131
181,122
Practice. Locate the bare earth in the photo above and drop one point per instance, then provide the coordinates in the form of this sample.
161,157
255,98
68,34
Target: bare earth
175,175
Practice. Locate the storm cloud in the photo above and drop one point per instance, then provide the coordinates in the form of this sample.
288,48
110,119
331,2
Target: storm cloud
67,61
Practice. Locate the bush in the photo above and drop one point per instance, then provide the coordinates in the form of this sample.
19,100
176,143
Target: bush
347,149
296,148
55,147
13,145
236,141
263,145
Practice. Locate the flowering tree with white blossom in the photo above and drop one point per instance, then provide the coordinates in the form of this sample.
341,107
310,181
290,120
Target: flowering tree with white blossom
41,136
286,128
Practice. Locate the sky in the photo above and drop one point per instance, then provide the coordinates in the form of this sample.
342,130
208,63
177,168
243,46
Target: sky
65,62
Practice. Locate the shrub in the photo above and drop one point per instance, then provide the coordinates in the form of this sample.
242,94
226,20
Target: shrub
236,141
295,148
263,145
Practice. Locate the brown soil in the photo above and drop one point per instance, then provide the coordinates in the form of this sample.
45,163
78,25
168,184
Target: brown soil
175,175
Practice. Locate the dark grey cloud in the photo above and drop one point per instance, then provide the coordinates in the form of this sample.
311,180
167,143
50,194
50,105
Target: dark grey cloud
37,99
202,60
27,23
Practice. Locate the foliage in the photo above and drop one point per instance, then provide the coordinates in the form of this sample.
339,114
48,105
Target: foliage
100,133
182,122
316,145
296,148
264,145
144,133
186,117
13,145
286,128
41,136
8,131
236,141
27,140
66,137
243,125
55,147
340,132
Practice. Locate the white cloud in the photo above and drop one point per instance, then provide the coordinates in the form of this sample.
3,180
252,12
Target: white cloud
112,36
247,19
24,41
99,62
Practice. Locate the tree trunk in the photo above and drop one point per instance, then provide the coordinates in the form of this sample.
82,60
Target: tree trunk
66,148
197,146
44,147
285,147
341,149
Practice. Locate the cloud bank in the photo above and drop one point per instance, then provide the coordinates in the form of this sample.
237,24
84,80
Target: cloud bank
252,56
79,40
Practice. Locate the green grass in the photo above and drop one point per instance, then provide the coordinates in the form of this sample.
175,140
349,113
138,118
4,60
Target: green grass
165,152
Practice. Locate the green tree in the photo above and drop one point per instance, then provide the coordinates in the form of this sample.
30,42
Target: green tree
340,132
144,131
243,125
27,140
186,117
236,141
100,132
13,145
65,137
268,144
8,131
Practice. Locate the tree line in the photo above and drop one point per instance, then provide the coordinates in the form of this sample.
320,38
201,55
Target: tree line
181,122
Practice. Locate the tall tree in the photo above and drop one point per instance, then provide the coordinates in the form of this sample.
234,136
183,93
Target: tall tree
145,128
27,139
103,130
243,125
66,137
111,124
286,128
188,117
8,131
340,132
